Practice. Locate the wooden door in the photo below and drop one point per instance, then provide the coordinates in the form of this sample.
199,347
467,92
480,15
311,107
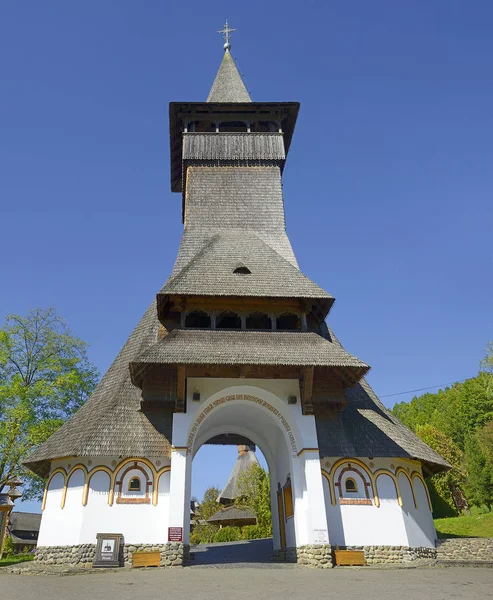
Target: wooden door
282,524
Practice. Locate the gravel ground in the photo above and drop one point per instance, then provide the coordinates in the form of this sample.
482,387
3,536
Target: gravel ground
245,584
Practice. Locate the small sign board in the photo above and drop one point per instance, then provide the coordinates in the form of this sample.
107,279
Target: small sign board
108,550
320,536
175,534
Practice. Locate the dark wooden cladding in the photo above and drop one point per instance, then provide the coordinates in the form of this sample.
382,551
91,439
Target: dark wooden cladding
166,384
233,146
327,387
307,391
159,384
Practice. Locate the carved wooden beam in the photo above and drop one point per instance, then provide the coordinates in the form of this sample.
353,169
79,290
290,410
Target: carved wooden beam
344,378
181,381
307,391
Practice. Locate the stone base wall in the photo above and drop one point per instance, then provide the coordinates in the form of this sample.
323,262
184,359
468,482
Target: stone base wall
320,556
70,556
173,554
317,555
465,549
375,555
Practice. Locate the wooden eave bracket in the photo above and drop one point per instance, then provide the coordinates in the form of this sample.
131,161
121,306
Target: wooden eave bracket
307,391
181,389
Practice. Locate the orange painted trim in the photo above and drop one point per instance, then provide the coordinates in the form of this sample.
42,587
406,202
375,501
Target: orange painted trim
52,474
421,478
398,471
307,450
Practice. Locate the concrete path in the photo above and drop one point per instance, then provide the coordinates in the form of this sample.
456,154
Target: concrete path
251,553
260,583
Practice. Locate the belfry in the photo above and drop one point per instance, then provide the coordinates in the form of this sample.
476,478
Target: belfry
235,349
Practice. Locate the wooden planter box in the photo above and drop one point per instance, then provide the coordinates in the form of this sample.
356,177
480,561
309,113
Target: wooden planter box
146,559
349,558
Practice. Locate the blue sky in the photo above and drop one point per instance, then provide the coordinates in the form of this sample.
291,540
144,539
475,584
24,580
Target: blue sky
388,186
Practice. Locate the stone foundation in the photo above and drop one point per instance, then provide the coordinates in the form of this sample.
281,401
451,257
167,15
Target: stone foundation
173,554
376,555
317,555
320,556
476,550
70,556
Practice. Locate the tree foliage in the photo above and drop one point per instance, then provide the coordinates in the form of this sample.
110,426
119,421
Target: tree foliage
254,492
480,474
485,438
463,417
45,377
457,411
209,505
446,489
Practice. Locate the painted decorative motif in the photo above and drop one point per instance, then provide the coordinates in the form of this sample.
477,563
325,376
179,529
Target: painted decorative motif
373,476
208,409
151,482
366,485
134,499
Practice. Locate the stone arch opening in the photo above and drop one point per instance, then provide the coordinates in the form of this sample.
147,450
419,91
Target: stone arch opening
254,419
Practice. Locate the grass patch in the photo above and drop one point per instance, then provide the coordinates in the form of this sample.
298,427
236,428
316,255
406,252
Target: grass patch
13,560
476,525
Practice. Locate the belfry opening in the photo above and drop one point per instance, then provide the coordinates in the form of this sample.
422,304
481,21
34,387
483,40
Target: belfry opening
236,347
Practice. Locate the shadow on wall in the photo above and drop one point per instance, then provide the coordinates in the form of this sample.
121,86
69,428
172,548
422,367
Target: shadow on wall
252,551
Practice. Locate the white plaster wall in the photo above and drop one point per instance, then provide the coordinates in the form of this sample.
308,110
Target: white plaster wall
420,531
77,524
52,520
283,471
386,525
424,516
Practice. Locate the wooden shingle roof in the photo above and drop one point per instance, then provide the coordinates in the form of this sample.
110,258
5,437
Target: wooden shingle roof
228,85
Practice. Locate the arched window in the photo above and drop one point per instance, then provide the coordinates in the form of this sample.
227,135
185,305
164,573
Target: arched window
228,320
350,485
288,322
134,484
258,320
204,127
233,127
198,319
264,126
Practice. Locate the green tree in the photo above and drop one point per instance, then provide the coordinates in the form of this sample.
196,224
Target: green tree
254,492
457,411
446,489
479,474
485,437
209,505
45,377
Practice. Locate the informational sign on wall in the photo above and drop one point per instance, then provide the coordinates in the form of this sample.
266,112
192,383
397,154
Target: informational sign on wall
175,534
320,536
108,550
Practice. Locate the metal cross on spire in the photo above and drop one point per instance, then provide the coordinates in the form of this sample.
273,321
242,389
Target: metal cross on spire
226,32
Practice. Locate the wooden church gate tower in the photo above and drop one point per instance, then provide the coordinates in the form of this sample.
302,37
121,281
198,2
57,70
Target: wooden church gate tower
235,349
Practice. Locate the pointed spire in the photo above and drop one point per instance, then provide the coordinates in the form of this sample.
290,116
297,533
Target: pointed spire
228,85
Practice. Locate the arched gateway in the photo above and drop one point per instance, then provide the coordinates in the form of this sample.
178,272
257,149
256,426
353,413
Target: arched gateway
235,343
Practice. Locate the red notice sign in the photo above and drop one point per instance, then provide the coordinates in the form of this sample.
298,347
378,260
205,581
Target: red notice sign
175,534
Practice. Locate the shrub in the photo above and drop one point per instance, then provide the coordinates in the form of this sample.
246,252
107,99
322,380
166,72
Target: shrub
203,533
252,532
228,534
8,546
